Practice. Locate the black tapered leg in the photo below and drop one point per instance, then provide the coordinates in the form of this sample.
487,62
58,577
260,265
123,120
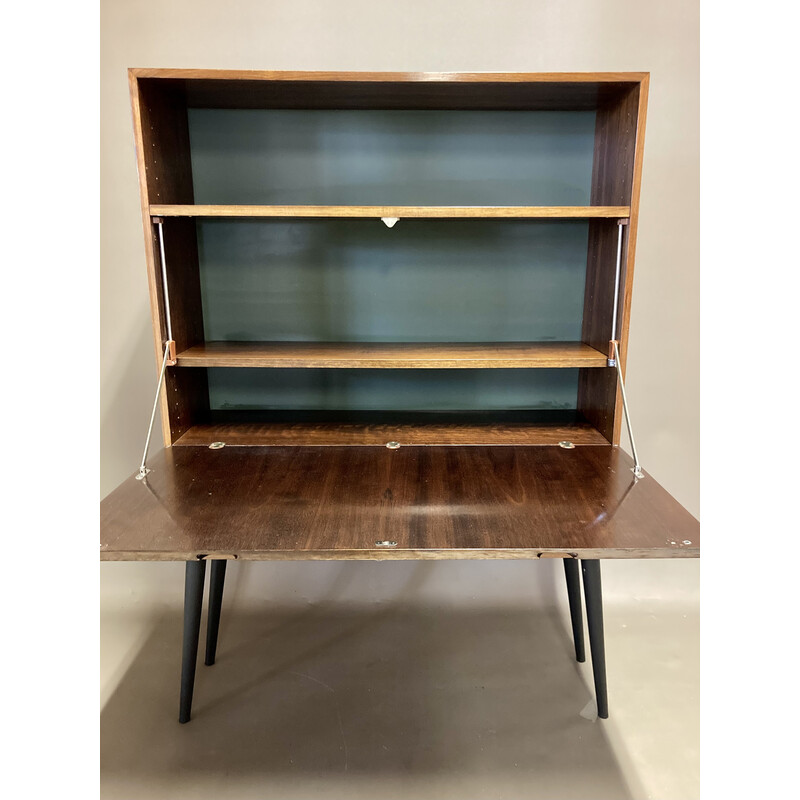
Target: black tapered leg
216,585
192,609
593,591
573,573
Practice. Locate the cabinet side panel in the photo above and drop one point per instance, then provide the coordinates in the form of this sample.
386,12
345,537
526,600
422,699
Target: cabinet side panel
629,256
164,163
187,389
165,137
615,179
597,393
614,151
183,276
186,395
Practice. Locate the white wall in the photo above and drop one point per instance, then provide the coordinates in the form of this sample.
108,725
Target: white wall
422,35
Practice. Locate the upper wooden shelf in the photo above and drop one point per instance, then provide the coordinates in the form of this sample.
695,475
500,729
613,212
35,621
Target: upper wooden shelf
502,355
401,212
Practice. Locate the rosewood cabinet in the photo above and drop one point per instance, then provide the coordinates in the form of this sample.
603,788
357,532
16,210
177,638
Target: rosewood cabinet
390,315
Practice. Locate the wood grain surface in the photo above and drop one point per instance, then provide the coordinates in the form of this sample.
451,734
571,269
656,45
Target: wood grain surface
616,178
434,502
382,77
498,355
161,131
393,90
346,434
401,212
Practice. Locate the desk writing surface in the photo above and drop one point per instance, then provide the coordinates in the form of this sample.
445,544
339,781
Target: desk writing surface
260,503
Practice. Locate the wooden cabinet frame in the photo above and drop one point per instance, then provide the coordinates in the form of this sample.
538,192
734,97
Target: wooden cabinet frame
494,486
161,99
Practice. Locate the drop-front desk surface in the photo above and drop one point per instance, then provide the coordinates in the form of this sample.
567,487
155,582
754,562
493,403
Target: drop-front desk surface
435,502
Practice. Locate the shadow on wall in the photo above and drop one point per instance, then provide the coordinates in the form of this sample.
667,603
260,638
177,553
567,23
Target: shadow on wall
484,583
124,390
363,702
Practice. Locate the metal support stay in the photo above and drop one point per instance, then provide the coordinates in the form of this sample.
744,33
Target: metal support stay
143,467
165,285
637,469
169,345
620,224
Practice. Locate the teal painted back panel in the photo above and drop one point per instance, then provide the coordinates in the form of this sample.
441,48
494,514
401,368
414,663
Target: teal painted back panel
423,280
326,157
395,390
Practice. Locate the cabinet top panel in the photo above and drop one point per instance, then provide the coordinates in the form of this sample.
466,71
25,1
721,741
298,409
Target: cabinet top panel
410,77
388,90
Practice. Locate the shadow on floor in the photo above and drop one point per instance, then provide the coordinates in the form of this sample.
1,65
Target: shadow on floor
363,702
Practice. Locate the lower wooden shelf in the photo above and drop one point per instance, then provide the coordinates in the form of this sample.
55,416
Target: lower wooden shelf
259,434
259,503
393,355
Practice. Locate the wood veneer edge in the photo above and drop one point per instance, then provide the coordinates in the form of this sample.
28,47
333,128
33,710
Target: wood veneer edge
328,356
402,555
398,77
402,212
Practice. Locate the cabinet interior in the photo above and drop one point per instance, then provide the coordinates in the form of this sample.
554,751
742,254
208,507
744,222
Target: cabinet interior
483,315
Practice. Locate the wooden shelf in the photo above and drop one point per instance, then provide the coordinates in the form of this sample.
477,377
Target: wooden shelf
498,355
256,503
401,212
302,434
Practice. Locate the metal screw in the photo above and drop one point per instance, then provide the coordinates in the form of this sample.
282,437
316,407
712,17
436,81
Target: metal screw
393,445
567,445
216,445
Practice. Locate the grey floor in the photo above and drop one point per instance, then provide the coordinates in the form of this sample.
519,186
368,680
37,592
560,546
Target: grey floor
386,701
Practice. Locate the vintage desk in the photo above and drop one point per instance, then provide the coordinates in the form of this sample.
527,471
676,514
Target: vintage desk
391,315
